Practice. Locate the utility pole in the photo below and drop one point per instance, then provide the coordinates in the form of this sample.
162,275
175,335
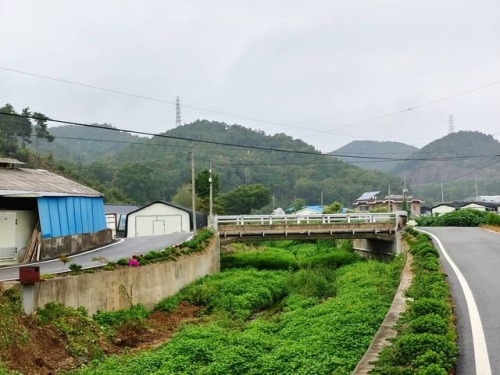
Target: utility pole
321,198
211,190
177,112
442,192
475,184
389,199
193,192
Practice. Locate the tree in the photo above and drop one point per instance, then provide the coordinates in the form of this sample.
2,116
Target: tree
16,132
41,126
183,196
298,204
334,208
246,198
139,182
202,184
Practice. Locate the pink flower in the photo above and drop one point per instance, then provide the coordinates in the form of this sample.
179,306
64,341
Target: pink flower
133,262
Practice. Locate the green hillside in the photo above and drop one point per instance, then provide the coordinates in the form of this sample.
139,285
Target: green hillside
158,167
83,144
303,174
373,154
452,168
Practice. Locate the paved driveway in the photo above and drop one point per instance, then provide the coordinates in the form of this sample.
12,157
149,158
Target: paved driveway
120,249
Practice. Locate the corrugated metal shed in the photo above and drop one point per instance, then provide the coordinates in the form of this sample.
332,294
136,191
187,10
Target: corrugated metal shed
64,216
39,183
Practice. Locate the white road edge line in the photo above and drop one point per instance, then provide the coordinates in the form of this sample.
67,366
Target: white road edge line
480,349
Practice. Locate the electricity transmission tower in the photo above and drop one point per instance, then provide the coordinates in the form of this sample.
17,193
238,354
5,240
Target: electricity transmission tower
451,124
177,112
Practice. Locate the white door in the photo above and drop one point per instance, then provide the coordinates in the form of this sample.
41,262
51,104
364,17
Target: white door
7,235
158,227
154,225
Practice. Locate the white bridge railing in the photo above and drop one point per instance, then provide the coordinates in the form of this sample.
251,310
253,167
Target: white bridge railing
304,219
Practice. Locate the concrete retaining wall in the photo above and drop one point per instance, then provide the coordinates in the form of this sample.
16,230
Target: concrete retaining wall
115,290
55,247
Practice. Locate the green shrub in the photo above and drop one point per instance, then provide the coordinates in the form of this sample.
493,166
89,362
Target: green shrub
269,259
318,282
412,346
492,219
169,304
431,323
332,260
117,318
425,306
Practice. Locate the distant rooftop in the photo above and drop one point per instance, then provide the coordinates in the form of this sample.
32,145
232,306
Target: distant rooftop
368,195
113,208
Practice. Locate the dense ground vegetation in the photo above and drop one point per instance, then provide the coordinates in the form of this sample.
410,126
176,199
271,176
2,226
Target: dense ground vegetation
426,340
299,315
461,218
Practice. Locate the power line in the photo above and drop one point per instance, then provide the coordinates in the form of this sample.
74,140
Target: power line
259,148
251,118
163,135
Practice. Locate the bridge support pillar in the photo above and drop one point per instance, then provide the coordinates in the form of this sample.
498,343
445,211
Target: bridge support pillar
378,249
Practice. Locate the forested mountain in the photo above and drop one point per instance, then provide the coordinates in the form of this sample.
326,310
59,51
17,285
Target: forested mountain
84,144
160,166
371,154
141,170
454,167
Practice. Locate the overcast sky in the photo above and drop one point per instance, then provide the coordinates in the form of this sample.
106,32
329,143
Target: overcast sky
315,70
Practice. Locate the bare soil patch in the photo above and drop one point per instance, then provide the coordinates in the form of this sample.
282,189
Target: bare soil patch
45,353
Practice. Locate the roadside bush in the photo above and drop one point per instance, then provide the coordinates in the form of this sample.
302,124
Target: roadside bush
466,217
492,219
425,343
430,323
425,306
412,346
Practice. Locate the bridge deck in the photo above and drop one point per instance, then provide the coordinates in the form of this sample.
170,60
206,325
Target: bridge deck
350,226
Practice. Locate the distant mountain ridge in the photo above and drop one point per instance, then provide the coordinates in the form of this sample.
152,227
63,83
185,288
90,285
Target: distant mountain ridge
465,154
372,154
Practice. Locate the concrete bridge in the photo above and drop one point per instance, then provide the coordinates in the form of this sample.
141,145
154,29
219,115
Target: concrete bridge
373,233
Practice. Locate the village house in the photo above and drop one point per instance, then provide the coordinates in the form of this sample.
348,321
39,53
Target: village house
373,201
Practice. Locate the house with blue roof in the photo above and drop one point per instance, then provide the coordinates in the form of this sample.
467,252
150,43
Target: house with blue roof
310,210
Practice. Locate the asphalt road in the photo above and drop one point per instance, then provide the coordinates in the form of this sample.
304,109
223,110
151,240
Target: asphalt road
473,270
120,249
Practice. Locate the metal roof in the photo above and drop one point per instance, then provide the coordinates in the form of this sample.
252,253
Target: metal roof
24,182
110,208
368,195
10,161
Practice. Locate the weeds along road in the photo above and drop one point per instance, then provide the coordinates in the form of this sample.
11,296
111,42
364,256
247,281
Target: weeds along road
471,259
120,249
